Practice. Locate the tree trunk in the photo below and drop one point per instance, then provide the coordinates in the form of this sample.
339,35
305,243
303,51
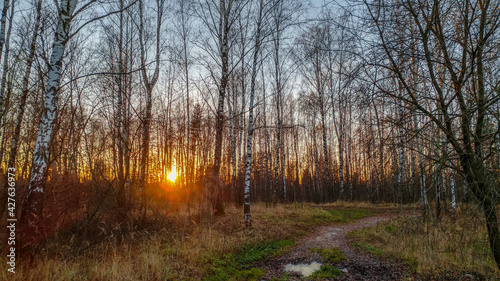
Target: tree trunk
248,166
421,163
5,97
6,4
32,211
149,83
24,95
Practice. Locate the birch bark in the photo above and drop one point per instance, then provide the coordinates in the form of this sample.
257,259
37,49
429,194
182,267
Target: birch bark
34,201
248,166
6,4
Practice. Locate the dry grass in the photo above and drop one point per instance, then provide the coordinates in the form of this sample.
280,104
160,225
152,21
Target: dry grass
157,252
450,248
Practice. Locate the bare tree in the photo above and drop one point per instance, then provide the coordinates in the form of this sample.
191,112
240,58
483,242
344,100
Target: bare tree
255,65
34,205
462,53
5,86
66,10
25,90
149,84
219,18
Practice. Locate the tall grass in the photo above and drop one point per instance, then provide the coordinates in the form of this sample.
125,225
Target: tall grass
448,248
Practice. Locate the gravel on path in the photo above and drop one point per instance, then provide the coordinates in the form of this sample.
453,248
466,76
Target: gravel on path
357,266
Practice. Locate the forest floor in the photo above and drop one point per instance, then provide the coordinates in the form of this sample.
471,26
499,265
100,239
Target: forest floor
354,264
345,241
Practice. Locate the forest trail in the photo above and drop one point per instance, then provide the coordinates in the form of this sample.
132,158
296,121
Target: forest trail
357,266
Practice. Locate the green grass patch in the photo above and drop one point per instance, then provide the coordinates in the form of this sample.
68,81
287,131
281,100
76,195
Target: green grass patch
249,254
249,274
330,255
238,266
370,249
325,272
390,228
322,216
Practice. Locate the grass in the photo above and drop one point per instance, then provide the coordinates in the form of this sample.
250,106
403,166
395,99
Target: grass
330,255
370,249
449,248
325,272
157,250
237,266
322,216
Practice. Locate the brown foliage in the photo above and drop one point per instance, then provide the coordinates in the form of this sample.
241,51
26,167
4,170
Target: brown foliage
64,204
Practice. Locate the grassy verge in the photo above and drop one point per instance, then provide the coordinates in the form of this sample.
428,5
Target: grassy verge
158,251
449,249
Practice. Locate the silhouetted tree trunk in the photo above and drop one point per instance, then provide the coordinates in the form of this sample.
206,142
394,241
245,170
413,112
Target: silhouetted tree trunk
25,90
149,83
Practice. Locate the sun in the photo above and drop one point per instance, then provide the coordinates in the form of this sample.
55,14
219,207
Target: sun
172,175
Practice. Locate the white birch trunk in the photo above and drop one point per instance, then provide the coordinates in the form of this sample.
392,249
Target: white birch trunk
248,167
266,144
325,148
232,139
282,154
34,202
224,28
341,167
6,4
401,151
423,189
278,111
243,102
452,186
318,194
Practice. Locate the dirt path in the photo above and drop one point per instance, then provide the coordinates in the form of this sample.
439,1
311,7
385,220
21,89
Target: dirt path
358,266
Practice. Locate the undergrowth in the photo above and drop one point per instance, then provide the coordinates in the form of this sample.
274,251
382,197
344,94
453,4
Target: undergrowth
166,246
450,248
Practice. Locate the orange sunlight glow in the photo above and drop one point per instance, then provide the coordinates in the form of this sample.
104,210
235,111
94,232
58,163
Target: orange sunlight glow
172,175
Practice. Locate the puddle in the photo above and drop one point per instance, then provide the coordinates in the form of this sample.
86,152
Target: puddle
305,269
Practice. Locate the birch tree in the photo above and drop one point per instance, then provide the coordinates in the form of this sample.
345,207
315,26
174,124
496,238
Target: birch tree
3,20
149,84
34,203
66,11
255,66
460,51
219,18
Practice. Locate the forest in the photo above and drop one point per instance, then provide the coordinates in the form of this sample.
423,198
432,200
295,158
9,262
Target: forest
162,139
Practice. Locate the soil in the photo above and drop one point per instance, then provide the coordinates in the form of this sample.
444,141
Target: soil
358,265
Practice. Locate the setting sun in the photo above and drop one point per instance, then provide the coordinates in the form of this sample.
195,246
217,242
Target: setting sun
172,175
